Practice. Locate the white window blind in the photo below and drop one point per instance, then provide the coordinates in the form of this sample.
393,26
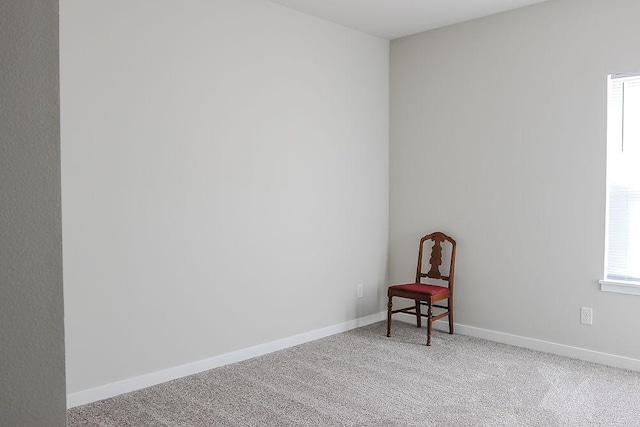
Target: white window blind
623,179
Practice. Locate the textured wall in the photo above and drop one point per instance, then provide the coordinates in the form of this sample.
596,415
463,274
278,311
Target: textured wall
224,176
498,137
32,379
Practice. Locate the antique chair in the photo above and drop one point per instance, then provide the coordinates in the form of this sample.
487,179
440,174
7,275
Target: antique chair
427,294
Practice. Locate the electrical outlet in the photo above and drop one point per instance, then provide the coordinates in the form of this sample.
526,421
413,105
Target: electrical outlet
586,315
359,290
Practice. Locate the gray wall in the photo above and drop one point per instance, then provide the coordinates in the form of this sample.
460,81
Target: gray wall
498,137
32,379
225,180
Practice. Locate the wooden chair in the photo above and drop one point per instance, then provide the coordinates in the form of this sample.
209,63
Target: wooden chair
424,293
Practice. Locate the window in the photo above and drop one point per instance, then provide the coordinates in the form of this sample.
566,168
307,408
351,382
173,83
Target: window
622,255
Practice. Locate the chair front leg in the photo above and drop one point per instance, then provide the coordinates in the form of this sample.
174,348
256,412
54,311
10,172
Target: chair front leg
429,321
389,305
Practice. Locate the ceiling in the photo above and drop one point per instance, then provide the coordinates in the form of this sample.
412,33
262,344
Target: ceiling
391,19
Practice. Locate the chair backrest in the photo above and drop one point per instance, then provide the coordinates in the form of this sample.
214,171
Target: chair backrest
435,259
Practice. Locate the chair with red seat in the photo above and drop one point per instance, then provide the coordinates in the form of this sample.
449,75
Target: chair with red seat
427,294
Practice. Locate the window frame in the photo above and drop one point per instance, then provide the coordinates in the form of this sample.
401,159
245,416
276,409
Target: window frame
631,287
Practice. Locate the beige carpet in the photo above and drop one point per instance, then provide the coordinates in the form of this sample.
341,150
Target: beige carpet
362,378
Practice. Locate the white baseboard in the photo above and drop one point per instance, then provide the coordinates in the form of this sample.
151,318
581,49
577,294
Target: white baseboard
533,344
136,383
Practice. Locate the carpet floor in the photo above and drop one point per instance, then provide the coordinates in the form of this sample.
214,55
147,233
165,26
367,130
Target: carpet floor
362,378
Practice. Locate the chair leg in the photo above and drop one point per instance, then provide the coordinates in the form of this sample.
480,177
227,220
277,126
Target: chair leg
450,317
389,305
429,320
418,314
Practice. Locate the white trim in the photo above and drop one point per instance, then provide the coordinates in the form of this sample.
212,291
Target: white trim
619,286
136,383
615,76
535,344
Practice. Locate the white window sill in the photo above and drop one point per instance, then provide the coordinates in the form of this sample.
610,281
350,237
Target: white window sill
621,287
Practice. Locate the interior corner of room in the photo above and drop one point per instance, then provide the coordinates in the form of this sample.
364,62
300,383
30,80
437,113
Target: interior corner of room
237,177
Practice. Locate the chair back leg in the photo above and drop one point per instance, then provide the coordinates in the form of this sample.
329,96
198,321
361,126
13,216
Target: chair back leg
389,305
418,314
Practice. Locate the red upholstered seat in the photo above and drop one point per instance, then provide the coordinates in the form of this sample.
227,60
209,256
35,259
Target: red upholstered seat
421,288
